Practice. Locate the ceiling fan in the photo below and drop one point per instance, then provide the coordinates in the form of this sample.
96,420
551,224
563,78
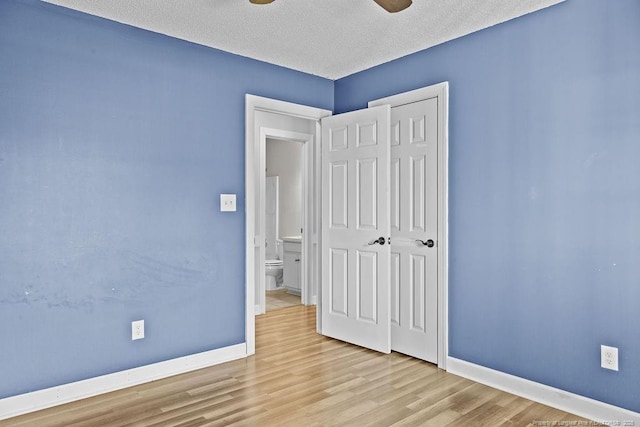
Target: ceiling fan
391,6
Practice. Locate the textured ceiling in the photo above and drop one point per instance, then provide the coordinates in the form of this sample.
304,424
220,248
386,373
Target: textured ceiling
329,38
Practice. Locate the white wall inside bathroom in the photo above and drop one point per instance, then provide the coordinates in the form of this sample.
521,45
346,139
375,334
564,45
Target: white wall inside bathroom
284,159
271,215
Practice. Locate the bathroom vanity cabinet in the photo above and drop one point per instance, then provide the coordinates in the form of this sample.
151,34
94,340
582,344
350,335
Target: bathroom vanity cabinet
292,260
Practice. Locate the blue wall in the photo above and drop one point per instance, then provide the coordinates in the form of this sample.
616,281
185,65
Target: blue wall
115,144
544,191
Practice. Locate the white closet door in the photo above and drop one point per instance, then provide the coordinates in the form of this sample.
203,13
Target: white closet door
414,219
355,228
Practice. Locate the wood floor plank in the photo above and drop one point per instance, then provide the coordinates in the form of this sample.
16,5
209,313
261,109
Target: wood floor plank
300,378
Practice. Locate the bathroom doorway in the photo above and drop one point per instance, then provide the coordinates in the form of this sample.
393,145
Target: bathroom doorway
269,118
284,208
272,118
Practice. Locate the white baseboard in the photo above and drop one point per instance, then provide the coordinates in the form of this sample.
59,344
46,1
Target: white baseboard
41,399
550,396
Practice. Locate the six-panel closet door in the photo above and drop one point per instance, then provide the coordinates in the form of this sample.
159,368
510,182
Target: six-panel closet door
414,225
380,228
355,228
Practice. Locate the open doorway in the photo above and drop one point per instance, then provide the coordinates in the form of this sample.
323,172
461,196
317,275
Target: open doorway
284,209
272,119
305,259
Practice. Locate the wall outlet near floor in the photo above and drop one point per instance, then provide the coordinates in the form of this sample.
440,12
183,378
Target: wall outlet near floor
137,330
609,357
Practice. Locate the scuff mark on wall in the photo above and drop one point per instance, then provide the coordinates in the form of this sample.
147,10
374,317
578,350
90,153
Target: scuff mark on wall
108,276
593,158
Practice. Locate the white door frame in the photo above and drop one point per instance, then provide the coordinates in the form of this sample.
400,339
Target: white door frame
254,160
440,90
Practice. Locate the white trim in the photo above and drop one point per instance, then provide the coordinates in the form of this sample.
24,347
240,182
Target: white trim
46,398
441,91
556,398
308,151
255,103
317,227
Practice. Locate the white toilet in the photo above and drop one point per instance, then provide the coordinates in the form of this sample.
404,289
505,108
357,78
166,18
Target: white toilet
273,267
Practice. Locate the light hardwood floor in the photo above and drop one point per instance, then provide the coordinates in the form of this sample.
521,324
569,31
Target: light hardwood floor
300,378
280,298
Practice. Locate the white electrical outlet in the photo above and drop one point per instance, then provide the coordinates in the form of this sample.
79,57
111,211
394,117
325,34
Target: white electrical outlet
609,357
137,330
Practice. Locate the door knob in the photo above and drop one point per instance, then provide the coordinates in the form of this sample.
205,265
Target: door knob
429,243
379,240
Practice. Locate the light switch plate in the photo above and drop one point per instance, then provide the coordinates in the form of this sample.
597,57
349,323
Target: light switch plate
227,202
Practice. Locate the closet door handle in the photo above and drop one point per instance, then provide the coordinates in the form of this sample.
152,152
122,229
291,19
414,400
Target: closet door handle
379,240
429,243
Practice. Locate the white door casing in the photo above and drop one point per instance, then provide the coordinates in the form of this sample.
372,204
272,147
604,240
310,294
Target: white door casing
355,214
419,188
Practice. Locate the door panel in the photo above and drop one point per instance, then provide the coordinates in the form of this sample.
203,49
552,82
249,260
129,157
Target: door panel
355,213
417,283
338,139
367,286
338,287
395,288
366,134
367,191
417,200
394,197
415,332
417,128
339,193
